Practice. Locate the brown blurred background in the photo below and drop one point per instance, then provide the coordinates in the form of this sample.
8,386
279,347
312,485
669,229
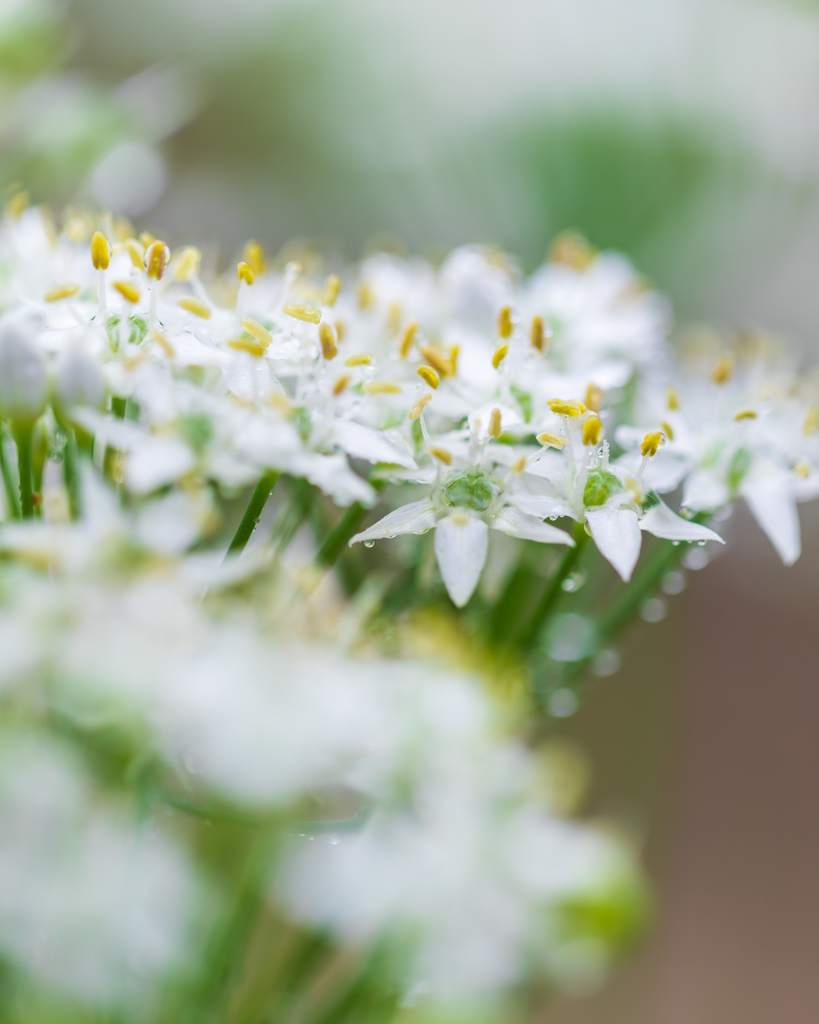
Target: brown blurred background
684,133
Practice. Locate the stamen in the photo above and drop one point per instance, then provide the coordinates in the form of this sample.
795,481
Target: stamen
340,384
651,444
332,288
426,373
163,343
249,345
62,291
672,399
811,424
453,360
17,204
307,314
495,423
100,251
567,407
419,406
407,338
365,295
571,249
361,359
635,491
146,238
157,256
536,335
746,414
594,396
341,330
441,454
327,338
187,263
668,430
195,306
136,251
128,291
500,354
437,360
724,369
254,257
592,430
552,441
260,333
518,465
394,316
380,387
505,324
246,273
802,468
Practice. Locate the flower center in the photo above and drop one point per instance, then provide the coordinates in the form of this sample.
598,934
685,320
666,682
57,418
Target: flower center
470,490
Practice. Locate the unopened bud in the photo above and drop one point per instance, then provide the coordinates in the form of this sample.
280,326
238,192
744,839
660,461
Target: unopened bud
23,386
78,382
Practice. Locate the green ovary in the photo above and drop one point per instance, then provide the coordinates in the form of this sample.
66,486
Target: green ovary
470,490
600,486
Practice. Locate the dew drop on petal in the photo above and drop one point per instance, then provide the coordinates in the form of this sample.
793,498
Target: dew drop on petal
562,703
369,543
654,610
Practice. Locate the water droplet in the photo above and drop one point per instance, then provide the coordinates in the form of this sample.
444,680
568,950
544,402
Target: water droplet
695,559
60,438
701,543
562,703
55,456
606,663
573,582
570,637
676,543
654,610
369,543
674,583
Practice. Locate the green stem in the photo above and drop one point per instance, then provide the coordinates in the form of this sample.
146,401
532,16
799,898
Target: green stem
253,512
338,537
23,437
9,483
554,589
71,470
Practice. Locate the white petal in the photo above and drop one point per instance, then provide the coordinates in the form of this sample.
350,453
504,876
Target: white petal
540,505
774,508
517,524
704,492
372,445
417,517
332,475
461,542
616,532
662,522
156,462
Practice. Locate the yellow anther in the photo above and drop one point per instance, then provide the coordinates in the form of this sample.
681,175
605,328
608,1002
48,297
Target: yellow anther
573,250
394,317
299,311
100,251
802,468
651,444
244,272
62,291
78,228
442,455
500,354
254,257
592,430
365,295
407,338
811,424
257,330
157,256
536,333
419,406
136,251
123,228
341,330
668,430
566,407
519,465
327,338
672,399
635,491
17,204
341,383
249,345
426,373
552,441
380,387
195,306
127,290
505,324
594,396
360,359
146,238
495,423
440,363
724,369
187,263
453,360
163,342
746,414
332,288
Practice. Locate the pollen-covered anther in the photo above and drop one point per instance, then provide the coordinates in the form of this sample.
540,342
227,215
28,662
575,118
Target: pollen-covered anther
567,407
61,291
249,345
500,354
723,370
505,323
127,290
746,414
359,359
162,341
552,441
186,263
327,340
441,454
146,238
380,387
594,396
195,306
592,430
811,424
571,249
17,204
438,360
407,338
652,442
332,289
668,430
157,257
256,330
519,465
802,468
537,335
429,376
244,272
634,490
341,384
672,399
300,311
100,251
365,295
418,406
254,256
136,250
495,428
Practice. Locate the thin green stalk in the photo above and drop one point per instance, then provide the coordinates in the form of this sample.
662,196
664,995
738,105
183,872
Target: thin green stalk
23,438
338,537
71,470
9,483
554,588
253,512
